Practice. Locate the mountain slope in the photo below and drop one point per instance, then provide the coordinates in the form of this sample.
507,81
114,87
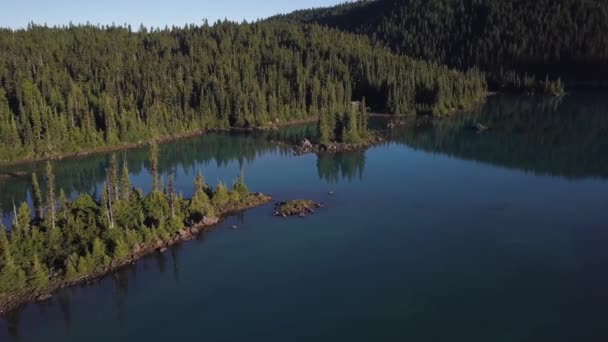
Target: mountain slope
559,38
74,88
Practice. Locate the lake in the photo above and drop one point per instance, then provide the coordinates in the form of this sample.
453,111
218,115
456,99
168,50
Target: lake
440,234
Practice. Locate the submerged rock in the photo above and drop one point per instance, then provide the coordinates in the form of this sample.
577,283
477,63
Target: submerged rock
479,127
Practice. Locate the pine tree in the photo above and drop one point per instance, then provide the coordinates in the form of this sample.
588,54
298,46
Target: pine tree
172,195
4,244
40,274
324,129
154,165
125,183
98,255
12,277
121,249
63,203
107,207
112,179
351,126
239,185
363,118
72,267
50,193
220,196
37,198
21,219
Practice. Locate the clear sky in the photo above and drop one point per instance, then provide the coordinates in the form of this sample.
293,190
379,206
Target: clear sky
18,13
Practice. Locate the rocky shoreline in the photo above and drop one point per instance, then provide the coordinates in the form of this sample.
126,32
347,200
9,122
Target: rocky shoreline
13,302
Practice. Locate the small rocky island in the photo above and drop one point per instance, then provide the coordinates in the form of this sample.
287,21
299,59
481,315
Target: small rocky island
346,131
296,208
306,147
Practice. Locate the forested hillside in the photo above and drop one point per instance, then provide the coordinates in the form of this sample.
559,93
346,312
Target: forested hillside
510,39
84,87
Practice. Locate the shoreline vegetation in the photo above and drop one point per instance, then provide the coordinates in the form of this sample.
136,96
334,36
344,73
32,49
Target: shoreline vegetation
60,243
158,140
398,120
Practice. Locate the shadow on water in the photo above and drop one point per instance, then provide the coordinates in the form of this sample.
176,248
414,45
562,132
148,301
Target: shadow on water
341,166
566,137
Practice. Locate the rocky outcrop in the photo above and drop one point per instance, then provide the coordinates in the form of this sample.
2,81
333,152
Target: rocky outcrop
210,220
296,208
478,127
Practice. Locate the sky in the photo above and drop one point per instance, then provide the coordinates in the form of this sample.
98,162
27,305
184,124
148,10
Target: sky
157,13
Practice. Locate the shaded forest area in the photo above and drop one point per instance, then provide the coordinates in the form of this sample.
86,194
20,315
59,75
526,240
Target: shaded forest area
518,43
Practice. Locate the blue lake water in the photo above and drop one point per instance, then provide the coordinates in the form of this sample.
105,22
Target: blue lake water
441,234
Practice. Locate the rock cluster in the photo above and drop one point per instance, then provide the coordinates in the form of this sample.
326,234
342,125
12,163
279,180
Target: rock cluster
478,127
296,208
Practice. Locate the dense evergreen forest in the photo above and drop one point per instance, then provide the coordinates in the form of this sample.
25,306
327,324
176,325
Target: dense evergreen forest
57,240
517,42
84,87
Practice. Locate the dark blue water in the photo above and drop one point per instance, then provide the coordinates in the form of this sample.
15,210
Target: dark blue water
442,234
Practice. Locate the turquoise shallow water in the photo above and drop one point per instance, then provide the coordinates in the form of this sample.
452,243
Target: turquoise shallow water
440,234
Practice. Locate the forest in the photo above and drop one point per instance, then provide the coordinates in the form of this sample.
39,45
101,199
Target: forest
58,240
76,88
529,46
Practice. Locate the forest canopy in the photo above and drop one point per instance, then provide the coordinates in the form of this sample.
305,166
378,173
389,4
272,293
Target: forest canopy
66,89
58,241
518,43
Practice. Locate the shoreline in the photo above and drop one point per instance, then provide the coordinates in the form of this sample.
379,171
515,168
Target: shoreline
11,303
161,139
174,137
